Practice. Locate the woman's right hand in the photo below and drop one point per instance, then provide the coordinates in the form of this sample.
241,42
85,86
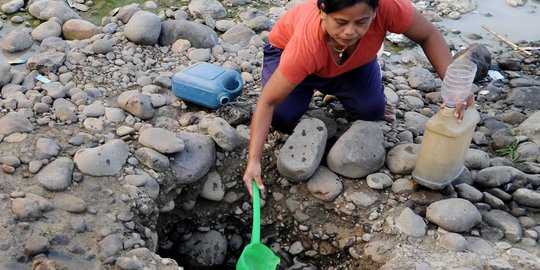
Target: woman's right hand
253,172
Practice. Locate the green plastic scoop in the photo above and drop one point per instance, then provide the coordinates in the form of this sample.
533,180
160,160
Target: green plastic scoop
257,256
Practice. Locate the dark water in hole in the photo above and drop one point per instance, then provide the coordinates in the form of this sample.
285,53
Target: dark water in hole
188,223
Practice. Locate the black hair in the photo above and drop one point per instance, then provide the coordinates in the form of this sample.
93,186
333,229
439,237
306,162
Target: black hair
329,6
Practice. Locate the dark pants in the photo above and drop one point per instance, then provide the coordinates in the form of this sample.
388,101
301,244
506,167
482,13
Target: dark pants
360,91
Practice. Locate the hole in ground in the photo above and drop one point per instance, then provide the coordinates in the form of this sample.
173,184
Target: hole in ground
179,229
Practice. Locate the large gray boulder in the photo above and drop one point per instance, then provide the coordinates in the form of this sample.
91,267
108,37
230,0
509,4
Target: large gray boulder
12,6
212,8
455,215
480,55
46,62
143,28
200,36
47,29
45,9
359,151
17,41
195,160
76,29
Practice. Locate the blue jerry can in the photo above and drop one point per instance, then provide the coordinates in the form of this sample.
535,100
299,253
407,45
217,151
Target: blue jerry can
207,85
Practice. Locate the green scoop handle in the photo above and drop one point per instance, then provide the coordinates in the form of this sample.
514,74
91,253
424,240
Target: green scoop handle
256,228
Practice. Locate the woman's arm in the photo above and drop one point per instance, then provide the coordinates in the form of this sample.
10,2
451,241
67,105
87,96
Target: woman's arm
428,36
276,90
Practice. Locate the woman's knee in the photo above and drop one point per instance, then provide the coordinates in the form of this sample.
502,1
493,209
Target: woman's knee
284,121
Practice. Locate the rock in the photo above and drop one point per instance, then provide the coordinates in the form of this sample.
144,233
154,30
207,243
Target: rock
225,136
45,9
453,242
25,209
138,104
211,8
402,158
379,181
324,184
110,246
47,29
46,148
69,203
455,215
476,159
238,34
506,222
143,28
196,160
498,175
480,55
469,193
527,197
44,204
410,223
526,97
102,46
76,29
362,198
513,64
206,248
422,79
479,246
213,188
379,251
530,127
46,62
404,186
12,6
152,158
161,140
200,36
5,74
125,263
359,151
57,175
14,122
302,152
103,160
17,41
36,244
416,121
126,12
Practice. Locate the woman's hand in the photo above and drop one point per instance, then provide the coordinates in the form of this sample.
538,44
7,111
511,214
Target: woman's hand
461,107
253,172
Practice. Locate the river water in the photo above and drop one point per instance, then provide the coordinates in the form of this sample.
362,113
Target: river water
513,23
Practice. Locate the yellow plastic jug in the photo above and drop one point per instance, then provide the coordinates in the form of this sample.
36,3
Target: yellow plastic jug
444,147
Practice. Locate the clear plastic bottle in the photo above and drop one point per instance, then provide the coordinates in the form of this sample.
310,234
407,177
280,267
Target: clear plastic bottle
456,86
445,142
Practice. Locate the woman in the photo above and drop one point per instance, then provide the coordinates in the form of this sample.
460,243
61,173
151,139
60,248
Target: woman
331,46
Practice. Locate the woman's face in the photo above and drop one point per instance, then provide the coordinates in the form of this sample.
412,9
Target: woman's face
348,25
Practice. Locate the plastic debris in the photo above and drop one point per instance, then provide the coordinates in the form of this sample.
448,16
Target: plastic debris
483,92
495,75
17,61
43,79
399,39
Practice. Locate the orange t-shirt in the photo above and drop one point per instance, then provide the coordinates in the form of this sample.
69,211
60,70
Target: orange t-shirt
305,52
